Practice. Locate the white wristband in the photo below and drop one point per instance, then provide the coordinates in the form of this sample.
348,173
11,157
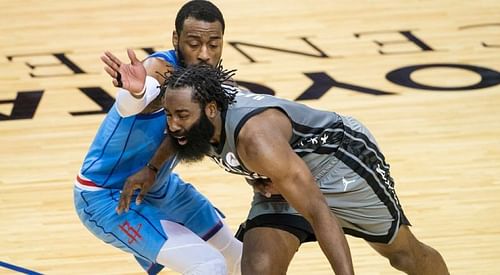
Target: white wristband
128,105
140,95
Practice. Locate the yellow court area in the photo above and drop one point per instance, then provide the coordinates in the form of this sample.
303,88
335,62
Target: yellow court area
422,75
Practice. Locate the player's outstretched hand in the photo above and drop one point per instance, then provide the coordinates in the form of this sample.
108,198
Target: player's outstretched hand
143,180
131,77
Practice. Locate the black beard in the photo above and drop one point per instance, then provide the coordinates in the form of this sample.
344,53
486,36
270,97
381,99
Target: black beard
180,57
198,140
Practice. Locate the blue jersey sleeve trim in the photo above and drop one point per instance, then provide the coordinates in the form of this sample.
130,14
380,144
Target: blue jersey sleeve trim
169,56
149,116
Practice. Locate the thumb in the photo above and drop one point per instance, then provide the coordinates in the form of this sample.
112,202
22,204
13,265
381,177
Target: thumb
132,57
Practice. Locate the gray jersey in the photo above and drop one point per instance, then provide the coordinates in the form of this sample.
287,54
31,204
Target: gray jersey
316,134
343,157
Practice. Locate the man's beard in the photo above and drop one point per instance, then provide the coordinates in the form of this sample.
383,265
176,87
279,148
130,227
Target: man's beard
180,57
198,140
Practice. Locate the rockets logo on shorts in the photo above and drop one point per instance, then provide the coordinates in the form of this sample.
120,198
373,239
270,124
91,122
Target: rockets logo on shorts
131,232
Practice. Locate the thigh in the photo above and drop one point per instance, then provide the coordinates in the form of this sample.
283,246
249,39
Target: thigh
359,209
291,223
137,231
362,204
359,188
402,244
183,204
267,250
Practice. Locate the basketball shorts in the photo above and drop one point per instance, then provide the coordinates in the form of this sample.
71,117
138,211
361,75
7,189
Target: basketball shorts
139,230
358,188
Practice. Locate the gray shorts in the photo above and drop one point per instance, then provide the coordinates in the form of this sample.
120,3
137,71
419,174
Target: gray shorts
357,185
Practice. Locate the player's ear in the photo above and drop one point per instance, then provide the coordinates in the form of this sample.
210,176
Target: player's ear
211,109
175,40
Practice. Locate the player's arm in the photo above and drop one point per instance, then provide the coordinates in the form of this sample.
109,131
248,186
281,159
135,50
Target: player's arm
139,82
145,178
263,146
139,89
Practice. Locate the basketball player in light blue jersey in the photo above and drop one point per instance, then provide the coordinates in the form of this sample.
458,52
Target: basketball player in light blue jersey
171,224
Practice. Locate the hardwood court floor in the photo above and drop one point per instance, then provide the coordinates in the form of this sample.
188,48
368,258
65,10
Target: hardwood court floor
443,146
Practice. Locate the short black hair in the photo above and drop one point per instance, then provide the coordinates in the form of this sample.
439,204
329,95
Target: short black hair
207,83
200,10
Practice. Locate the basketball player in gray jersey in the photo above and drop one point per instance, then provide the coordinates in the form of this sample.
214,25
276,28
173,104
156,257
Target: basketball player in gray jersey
312,163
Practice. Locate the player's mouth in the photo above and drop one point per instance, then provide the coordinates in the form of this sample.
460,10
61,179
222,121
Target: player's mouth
182,140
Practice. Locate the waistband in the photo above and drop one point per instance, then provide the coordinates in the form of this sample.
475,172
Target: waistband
86,184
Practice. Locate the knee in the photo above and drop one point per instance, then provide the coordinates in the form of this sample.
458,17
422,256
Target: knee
409,258
259,264
254,264
401,260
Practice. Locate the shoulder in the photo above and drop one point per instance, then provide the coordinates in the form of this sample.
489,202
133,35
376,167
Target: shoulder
270,123
158,68
263,139
169,56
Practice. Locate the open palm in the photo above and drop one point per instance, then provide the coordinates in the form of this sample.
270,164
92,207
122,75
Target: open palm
131,76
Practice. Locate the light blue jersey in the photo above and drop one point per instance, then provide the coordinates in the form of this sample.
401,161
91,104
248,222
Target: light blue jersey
122,147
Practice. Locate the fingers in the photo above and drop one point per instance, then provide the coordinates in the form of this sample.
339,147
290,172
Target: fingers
112,68
117,78
111,72
119,82
170,69
265,192
115,83
123,203
111,62
146,185
141,195
265,187
107,61
113,59
132,57
141,181
125,198
262,189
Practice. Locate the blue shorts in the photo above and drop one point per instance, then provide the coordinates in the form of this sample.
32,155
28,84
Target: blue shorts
139,230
